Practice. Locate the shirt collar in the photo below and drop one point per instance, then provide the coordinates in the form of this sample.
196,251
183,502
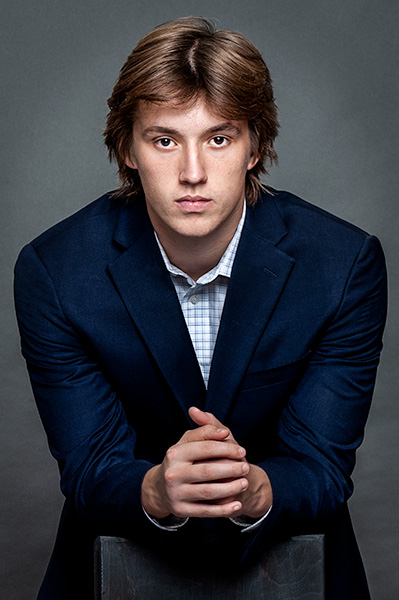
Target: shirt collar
224,265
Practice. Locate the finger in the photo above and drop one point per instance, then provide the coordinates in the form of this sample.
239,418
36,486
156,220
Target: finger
212,492
203,450
226,500
205,432
201,417
218,470
208,511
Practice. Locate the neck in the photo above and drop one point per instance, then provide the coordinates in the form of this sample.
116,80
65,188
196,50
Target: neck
195,256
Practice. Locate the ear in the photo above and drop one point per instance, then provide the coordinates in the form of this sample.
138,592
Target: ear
130,161
253,159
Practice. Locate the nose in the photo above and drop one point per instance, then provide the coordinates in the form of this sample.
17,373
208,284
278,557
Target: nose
192,171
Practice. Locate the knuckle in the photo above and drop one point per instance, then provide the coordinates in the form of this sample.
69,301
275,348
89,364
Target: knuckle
207,471
171,454
207,513
188,436
208,431
207,493
209,448
211,429
170,476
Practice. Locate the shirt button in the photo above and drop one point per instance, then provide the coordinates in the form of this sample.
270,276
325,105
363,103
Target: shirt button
194,299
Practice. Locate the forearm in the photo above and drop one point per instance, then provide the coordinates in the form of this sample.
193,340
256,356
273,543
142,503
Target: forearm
102,478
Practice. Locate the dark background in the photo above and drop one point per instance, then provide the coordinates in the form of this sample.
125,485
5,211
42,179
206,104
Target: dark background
335,71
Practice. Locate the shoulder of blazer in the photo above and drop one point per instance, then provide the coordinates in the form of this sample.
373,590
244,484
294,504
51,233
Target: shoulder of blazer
107,207
290,205
286,219
101,228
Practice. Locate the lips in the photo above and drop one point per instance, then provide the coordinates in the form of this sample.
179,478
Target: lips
193,203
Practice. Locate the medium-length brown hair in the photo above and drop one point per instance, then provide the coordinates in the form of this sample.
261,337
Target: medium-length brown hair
183,60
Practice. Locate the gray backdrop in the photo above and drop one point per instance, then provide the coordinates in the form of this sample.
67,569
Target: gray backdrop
334,66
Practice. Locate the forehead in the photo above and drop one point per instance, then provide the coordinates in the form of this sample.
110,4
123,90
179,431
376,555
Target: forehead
184,118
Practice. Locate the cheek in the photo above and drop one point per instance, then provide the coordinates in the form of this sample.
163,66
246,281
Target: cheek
151,177
235,171
153,170
150,186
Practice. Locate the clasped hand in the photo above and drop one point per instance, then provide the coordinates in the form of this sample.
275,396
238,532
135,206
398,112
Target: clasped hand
206,474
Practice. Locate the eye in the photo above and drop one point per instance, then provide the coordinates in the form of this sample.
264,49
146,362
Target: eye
164,142
219,140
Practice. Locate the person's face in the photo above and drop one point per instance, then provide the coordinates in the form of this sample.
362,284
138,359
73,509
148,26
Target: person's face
192,165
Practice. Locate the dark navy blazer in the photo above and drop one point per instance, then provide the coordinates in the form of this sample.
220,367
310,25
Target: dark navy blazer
114,372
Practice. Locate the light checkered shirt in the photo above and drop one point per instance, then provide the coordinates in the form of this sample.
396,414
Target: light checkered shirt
202,301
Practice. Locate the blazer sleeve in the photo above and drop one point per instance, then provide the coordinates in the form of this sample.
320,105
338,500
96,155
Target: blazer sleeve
86,426
323,422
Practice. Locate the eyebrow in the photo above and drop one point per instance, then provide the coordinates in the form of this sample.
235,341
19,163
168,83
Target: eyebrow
227,127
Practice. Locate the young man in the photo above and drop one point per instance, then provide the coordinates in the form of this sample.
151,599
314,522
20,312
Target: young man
202,350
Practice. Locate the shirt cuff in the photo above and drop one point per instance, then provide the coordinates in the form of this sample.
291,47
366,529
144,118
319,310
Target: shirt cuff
170,523
246,523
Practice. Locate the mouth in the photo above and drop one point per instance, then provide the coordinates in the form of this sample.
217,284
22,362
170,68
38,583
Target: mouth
193,203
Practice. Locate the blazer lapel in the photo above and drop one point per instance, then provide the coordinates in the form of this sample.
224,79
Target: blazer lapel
258,278
149,296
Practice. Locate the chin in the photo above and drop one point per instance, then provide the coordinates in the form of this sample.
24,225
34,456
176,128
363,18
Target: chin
196,232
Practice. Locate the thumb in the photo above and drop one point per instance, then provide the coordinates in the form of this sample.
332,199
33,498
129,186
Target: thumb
203,418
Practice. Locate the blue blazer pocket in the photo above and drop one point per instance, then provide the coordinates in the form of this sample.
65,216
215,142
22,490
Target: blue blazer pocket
276,375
